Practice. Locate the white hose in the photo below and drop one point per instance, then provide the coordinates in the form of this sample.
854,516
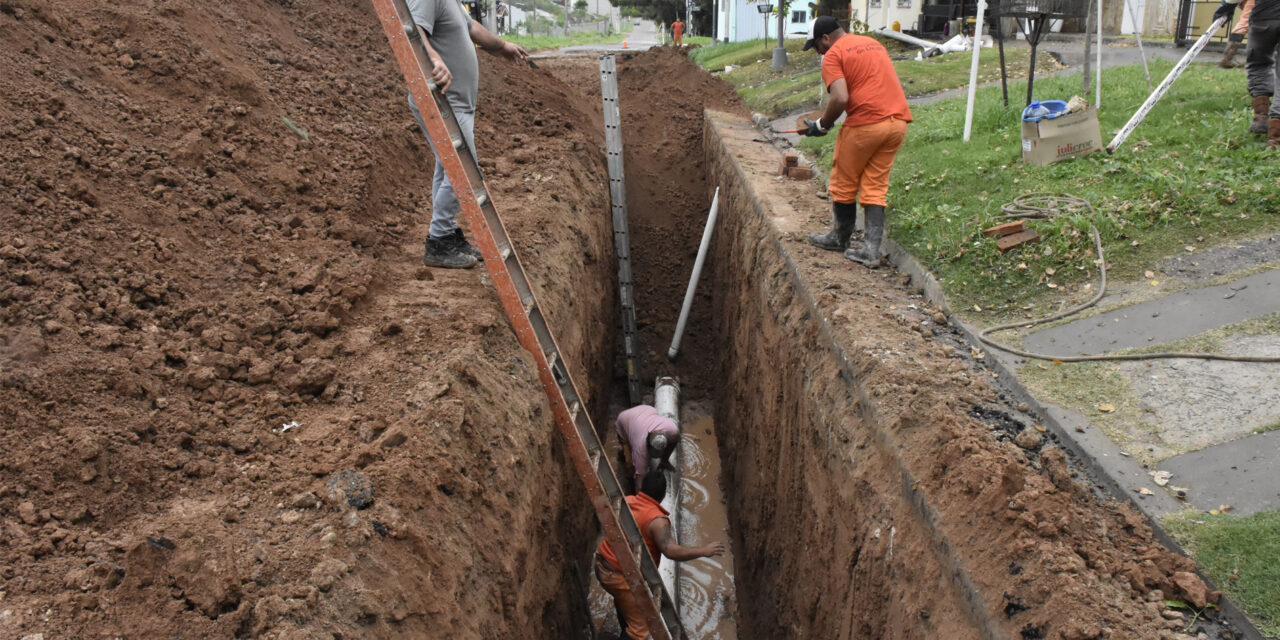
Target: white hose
693,278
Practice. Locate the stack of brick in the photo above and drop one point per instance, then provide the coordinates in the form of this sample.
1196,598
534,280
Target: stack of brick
792,168
1011,234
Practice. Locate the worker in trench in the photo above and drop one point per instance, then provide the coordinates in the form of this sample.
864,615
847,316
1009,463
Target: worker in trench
1261,70
655,528
648,440
858,74
452,37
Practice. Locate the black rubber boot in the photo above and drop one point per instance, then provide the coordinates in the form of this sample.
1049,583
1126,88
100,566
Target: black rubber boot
843,217
867,252
442,252
460,242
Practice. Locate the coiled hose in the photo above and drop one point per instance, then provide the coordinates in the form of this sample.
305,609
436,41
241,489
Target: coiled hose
1044,206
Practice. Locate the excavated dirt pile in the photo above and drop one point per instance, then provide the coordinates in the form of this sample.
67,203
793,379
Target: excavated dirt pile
233,402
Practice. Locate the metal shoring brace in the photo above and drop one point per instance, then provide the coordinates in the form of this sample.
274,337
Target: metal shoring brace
528,322
621,234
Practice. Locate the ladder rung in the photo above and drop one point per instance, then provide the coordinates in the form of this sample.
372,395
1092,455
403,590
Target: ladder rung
458,142
482,199
528,304
574,409
505,251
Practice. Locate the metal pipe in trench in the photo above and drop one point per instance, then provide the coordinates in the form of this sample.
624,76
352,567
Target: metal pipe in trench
666,399
693,279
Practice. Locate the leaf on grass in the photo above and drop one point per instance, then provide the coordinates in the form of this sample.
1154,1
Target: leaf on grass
1190,249
976,353
1176,604
1056,361
1107,408
1225,508
1155,283
1149,274
1050,270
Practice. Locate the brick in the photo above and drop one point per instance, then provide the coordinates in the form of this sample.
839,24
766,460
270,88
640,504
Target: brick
790,159
782,168
1001,230
800,173
1012,240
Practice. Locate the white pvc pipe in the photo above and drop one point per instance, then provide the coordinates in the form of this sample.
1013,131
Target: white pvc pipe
666,399
693,278
927,45
1164,85
973,70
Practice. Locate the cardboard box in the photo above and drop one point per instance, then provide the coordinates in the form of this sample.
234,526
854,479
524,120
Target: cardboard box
1070,136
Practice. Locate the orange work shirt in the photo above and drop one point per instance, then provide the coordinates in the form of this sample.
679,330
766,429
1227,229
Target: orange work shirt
677,27
646,510
874,90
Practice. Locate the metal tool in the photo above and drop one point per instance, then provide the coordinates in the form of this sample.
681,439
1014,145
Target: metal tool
621,234
530,324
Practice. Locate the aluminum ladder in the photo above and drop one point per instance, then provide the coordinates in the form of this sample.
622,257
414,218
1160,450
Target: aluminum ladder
530,325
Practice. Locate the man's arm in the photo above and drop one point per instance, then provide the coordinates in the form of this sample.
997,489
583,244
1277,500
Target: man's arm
495,45
835,106
439,73
660,533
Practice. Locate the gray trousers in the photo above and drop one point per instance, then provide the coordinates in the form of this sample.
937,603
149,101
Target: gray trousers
444,203
1260,61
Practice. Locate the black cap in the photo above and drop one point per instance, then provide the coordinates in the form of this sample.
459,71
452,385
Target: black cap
821,26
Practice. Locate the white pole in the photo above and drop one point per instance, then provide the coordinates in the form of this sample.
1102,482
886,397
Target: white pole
1097,103
973,69
693,277
1164,85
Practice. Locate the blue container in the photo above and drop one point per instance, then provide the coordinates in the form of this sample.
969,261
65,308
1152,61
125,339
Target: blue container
1041,109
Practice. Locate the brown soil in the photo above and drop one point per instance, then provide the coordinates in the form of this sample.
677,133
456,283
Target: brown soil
181,276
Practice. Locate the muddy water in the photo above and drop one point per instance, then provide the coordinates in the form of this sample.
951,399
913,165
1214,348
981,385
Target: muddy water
706,598
707,603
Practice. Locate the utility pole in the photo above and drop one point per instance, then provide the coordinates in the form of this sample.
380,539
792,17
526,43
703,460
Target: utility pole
780,54
566,17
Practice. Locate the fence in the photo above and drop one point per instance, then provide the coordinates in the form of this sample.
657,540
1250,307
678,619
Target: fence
544,27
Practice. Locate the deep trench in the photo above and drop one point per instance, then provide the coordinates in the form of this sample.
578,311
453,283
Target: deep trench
863,499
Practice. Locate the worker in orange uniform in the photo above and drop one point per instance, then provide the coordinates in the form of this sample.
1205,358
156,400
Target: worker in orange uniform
677,32
655,528
863,84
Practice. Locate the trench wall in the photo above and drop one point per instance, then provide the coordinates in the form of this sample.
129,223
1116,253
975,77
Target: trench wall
828,544
872,494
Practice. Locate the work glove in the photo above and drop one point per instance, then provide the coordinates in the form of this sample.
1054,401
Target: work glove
814,129
1225,10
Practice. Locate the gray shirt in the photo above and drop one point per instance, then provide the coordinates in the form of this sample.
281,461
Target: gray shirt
448,29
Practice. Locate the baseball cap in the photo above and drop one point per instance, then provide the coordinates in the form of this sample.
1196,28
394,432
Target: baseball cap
820,26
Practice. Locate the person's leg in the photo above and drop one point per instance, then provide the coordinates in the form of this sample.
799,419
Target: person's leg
1260,68
849,158
874,186
444,246
630,616
1273,122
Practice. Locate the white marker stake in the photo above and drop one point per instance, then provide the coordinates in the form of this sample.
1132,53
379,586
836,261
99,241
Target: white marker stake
973,70
1164,85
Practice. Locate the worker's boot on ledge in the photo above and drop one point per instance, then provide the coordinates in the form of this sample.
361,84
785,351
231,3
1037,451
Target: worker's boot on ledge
1229,56
843,218
1273,134
867,252
1261,105
460,242
442,252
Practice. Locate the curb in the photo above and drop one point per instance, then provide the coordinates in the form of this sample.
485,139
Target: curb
1110,470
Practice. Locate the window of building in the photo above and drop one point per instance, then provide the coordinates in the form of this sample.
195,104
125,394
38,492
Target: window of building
797,17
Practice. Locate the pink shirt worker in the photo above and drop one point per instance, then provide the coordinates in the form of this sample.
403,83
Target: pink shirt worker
648,435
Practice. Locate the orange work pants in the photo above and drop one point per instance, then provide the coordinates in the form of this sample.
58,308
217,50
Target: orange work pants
862,160
678,36
624,599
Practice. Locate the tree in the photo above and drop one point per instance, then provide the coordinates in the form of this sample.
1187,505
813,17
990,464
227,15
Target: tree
580,10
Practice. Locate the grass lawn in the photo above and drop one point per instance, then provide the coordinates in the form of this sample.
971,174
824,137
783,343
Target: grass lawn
799,85
1241,554
541,43
1189,177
